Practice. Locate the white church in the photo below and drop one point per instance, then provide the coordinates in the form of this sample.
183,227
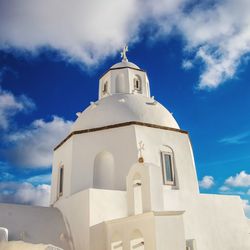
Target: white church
125,179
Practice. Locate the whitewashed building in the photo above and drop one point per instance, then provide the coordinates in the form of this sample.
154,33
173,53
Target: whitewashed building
125,178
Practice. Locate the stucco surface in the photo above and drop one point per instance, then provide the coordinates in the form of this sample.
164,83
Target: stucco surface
121,108
20,245
34,224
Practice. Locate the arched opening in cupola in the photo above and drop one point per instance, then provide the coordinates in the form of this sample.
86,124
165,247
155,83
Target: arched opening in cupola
137,84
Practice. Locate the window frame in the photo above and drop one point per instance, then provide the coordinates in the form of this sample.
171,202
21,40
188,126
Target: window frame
165,181
60,180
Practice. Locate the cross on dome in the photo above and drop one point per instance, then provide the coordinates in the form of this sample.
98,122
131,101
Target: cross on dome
123,54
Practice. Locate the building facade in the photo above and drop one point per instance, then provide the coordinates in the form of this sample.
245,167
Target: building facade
125,177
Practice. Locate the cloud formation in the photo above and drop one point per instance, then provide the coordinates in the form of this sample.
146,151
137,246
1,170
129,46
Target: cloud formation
206,182
238,185
24,193
219,36
239,180
38,179
82,30
246,206
33,146
216,34
10,105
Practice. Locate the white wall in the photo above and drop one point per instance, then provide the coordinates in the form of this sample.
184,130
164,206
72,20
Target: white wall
215,221
79,152
169,230
149,231
75,210
34,224
120,142
88,208
157,140
128,228
62,156
107,205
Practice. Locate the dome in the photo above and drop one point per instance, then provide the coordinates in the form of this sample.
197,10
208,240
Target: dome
122,108
124,64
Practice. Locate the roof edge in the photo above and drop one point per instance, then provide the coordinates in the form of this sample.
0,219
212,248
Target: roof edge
117,125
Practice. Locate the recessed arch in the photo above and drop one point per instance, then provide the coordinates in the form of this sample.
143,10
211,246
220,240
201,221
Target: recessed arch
104,167
137,193
137,240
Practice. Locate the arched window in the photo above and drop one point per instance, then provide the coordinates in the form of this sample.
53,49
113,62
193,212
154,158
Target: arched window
168,170
137,84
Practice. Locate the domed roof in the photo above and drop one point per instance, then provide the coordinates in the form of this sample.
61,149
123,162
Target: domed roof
121,108
125,64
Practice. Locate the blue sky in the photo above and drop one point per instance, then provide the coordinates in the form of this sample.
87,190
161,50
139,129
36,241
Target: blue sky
196,56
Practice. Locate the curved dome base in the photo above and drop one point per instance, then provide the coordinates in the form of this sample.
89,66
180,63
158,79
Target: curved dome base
121,108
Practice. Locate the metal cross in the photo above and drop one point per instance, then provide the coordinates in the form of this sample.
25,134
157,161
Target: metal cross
123,54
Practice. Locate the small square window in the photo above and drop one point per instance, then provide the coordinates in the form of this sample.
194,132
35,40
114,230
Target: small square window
168,168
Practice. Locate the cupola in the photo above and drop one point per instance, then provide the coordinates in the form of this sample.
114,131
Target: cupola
124,96
124,78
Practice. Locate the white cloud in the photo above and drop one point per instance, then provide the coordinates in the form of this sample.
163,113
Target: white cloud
206,182
240,180
24,193
217,34
10,105
236,139
33,146
224,188
81,30
46,179
187,64
246,206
